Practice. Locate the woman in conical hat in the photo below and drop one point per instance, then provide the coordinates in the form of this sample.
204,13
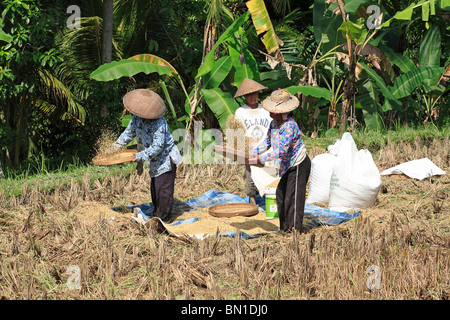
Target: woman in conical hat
289,152
256,121
159,150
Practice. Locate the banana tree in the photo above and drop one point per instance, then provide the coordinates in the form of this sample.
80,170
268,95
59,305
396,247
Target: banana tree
426,76
362,49
333,27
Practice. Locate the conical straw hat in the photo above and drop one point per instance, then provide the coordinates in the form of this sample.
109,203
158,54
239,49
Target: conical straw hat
144,103
248,86
280,101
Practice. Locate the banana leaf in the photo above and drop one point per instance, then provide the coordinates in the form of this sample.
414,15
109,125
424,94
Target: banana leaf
218,73
354,30
249,66
368,101
314,91
150,58
390,102
445,4
430,48
404,63
406,83
426,11
405,14
126,68
326,25
262,23
208,62
221,103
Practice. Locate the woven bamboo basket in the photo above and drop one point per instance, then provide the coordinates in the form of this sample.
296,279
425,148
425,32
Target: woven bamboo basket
115,158
233,210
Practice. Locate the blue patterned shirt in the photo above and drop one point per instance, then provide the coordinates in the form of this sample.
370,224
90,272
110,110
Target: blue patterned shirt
154,137
286,143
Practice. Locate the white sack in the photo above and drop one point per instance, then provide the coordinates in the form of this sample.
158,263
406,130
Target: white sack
334,148
416,169
263,176
355,181
321,170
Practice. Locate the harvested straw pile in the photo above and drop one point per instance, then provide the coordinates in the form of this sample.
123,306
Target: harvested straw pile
235,135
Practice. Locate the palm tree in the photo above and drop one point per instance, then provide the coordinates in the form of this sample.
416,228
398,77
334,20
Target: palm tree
32,84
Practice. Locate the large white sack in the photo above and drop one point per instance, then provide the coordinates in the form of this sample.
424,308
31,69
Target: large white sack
321,170
355,181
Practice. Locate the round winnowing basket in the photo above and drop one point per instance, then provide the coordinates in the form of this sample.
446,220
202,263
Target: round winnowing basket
115,158
233,210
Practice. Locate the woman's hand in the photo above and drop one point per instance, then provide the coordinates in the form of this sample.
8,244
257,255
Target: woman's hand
254,159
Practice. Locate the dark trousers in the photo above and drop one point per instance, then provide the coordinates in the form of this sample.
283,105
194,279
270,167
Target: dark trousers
162,189
291,193
252,191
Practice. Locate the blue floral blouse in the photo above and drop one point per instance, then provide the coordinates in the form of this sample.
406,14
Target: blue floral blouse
286,143
154,137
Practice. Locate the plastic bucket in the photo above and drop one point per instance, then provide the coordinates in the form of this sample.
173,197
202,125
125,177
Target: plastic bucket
271,203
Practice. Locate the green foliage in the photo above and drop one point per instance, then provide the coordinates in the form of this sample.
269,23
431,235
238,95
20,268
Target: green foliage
227,35
126,68
316,92
51,109
221,103
218,73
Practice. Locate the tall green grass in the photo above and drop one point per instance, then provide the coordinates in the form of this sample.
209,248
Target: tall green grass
376,140
48,179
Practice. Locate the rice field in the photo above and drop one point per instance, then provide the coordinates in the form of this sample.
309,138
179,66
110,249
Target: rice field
66,243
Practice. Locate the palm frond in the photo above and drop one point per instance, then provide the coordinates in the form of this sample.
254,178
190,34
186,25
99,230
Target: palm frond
81,53
141,24
64,101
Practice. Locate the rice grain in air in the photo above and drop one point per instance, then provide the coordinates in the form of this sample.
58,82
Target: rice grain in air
105,144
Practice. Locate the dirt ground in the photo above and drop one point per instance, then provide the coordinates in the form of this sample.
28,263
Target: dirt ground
398,249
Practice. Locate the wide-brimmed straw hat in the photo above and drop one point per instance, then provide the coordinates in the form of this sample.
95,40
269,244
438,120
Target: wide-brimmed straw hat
248,86
280,101
144,103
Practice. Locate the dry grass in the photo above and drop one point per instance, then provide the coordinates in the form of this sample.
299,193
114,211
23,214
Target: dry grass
406,235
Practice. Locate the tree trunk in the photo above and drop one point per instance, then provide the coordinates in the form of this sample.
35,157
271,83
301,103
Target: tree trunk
107,31
332,115
107,41
349,83
349,91
1,171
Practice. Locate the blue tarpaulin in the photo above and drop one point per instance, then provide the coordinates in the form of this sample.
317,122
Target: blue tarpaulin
313,216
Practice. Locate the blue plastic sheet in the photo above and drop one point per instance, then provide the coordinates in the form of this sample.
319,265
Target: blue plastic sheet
314,215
